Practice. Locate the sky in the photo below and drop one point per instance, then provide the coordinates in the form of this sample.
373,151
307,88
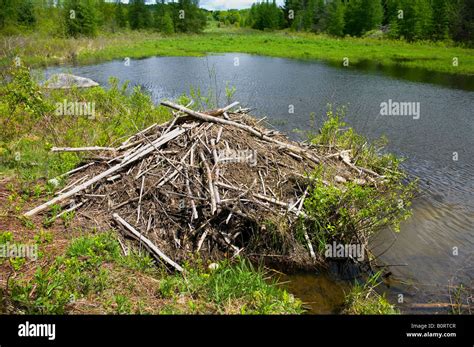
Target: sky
229,4
221,4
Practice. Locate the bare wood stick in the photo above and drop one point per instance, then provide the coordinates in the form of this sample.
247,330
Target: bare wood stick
193,204
82,149
438,305
140,199
72,184
201,240
209,182
148,244
253,131
263,183
219,134
264,198
220,111
74,170
75,207
157,143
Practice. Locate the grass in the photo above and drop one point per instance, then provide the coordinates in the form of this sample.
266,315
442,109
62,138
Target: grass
37,50
94,277
363,299
33,126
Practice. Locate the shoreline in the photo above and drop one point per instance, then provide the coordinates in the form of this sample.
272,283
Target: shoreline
282,44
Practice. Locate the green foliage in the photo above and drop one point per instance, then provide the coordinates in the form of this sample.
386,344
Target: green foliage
265,15
187,16
72,276
353,214
336,18
32,126
362,16
363,299
139,15
80,18
240,285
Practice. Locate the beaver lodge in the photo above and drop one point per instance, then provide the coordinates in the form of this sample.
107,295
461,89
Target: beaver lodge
212,183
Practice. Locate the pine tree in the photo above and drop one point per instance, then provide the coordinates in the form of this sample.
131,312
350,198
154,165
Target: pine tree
26,14
80,18
441,19
417,19
120,16
335,18
362,16
139,15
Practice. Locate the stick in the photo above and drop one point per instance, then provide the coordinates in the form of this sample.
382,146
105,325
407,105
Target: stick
74,170
209,182
158,142
208,118
151,247
82,149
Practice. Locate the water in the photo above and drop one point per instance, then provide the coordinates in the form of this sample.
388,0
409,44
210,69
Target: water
443,218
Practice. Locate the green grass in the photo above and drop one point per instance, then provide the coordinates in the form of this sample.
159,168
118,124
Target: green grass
42,51
363,299
32,126
94,275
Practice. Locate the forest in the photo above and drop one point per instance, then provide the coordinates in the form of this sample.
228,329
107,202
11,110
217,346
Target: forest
434,20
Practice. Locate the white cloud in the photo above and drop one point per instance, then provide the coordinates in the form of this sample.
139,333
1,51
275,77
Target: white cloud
229,4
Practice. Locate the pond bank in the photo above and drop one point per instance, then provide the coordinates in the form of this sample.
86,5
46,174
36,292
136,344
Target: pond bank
46,51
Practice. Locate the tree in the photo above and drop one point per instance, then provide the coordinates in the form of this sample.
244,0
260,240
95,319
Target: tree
417,19
265,15
163,20
80,18
120,15
139,15
335,18
441,19
462,24
26,14
7,12
188,17
362,16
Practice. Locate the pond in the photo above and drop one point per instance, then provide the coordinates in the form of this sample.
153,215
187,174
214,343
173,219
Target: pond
435,247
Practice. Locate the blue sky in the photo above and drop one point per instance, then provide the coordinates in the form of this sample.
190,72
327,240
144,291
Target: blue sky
222,4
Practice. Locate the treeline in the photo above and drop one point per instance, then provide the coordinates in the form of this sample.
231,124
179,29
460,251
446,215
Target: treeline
409,19
75,18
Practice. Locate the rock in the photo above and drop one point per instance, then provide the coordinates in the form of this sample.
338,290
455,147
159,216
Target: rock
213,266
66,81
360,181
339,179
54,182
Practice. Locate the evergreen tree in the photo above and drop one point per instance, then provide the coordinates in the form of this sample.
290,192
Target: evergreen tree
441,19
335,18
139,15
362,16
417,19
7,12
80,18
26,14
120,15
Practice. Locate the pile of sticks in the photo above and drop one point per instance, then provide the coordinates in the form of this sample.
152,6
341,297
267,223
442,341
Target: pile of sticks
208,183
